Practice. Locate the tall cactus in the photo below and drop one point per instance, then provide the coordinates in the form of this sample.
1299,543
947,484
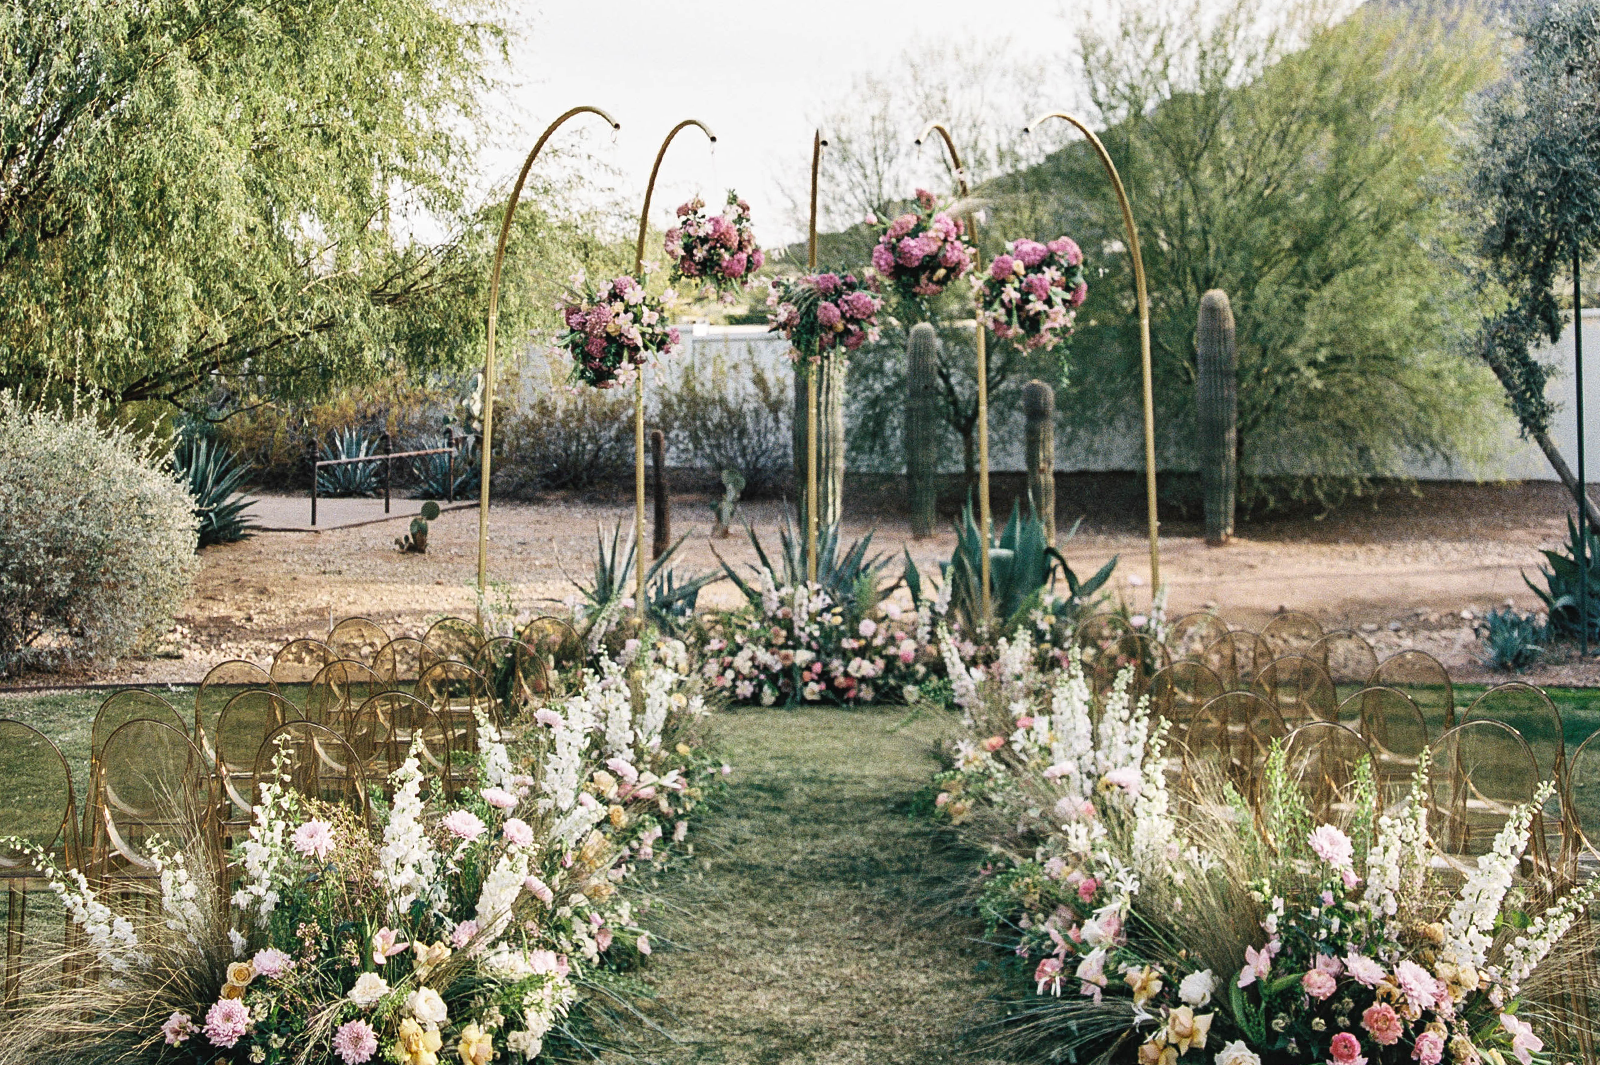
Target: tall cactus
922,440
830,440
662,534
1039,447
1217,414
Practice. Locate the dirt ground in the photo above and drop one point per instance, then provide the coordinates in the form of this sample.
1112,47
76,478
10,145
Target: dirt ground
1406,567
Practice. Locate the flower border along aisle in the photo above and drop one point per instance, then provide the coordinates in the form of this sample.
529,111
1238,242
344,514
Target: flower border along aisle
1174,928
472,926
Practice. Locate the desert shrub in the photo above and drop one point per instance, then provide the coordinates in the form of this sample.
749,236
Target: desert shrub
97,540
1564,579
213,476
715,426
564,440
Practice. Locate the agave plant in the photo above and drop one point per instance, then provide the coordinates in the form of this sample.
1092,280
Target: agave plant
213,476
1562,594
350,478
851,578
432,474
670,602
1022,568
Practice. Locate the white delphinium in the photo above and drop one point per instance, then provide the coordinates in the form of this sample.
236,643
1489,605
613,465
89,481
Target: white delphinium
569,740
659,695
941,602
1154,831
1524,953
408,865
1072,757
962,686
111,937
1013,667
265,848
1398,858
1124,728
603,621
180,895
492,753
771,598
498,896
1469,930
577,822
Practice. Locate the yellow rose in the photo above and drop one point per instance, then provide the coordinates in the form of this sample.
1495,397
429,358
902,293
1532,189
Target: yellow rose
232,991
476,1046
418,1045
1146,984
429,954
1185,1030
619,817
240,973
1155,1052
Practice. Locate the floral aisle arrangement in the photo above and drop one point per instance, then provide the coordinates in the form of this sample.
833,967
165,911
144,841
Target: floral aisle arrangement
1032,292
823,314
614,330
923,251
470,927
715,251
1191,928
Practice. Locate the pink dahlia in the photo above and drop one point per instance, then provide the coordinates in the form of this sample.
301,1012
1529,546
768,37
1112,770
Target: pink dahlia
314,838
1383,1024
464,824
1346,1050
828,315
227,1021
1429,1048
499,798
900,226
271,963
355,1042
1332,846
517,832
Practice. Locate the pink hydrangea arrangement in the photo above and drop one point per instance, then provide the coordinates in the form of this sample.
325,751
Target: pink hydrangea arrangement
715,251
822,314
614,330
921,252
1031,293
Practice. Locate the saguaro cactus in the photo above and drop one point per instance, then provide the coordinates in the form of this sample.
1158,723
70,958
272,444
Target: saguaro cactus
830,440
922,462
1217,414
662,535
1039,447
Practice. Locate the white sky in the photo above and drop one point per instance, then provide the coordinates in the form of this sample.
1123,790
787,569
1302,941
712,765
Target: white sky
756,72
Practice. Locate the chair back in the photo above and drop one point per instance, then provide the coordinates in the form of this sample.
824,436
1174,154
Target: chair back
315,762
555,641
1299,688
382,732
1420,676
1323,758
222,682
342,686
1346,656
358,638
151,782
1180,690
297,664
1481,772
400,662
516,673
1395,732
1236,657
455,639
1291,633
243,726
1190,635
130,704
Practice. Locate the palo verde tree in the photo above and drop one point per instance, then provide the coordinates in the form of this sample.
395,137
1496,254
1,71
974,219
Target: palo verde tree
235,193
1299,163
1536,186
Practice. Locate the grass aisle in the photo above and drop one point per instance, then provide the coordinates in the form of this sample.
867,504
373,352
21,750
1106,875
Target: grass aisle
806,929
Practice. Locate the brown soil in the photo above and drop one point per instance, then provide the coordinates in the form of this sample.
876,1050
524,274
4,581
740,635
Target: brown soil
1402,565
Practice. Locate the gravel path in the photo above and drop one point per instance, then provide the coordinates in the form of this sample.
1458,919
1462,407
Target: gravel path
807,928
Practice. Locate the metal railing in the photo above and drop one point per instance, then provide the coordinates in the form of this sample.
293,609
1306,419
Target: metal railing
387,457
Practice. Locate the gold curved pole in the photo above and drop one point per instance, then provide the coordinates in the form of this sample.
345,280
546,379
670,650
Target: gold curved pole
638,392
488,362
811,378
1144,333
985,516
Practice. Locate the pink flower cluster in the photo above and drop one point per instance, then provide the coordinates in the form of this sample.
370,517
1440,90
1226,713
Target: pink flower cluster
824,312
922,251
1032,291
716,249
614,331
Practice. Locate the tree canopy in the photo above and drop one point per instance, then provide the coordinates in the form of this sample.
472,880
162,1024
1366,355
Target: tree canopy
261,195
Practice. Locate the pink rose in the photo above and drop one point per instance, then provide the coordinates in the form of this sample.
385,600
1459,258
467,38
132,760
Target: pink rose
602,939
1382,1023
1087,887
1429,1048
1346,1050
1318,984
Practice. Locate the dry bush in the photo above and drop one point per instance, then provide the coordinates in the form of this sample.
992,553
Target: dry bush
715,425
564,440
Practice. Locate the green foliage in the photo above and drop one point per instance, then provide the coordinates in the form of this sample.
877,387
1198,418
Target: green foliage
670,600
1535,188
350,478
1562,593
1022,567
416,541
97,540
1300,167
432,473
842,577
1515,640
213,476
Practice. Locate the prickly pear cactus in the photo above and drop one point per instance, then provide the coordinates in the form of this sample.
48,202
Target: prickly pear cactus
921,428
1217,414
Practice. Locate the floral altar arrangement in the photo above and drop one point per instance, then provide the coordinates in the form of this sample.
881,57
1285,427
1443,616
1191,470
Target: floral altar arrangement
1032,291
822,314
472,926
923,251
717,251
1173,927
614,331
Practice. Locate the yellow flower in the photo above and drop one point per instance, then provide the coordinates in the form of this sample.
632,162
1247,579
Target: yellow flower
1155,1052
418,1045
1146,984
240,973
619,817
680,701
430,954
232,991
1185,1030
685,750
604,783
476,1046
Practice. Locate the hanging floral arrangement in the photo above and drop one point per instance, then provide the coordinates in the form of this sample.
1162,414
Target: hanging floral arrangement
614,330
1032,292
821,314
922,251
716,251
